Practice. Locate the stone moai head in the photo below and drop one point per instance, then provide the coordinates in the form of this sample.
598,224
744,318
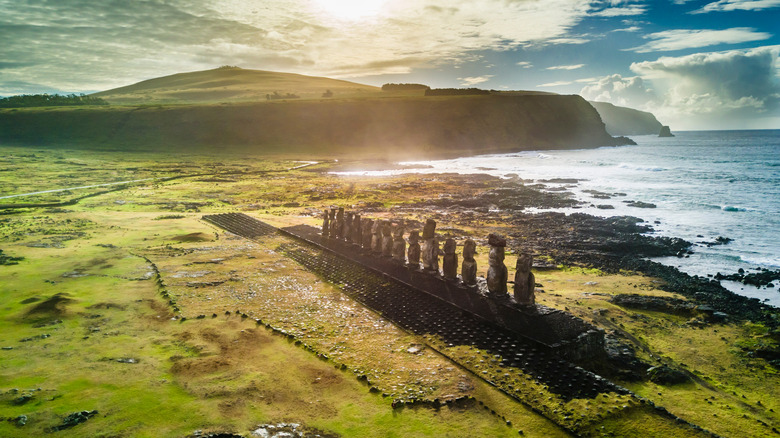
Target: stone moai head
387,228
469,249
450,246
332,214
377,227
340,213
414,237
398,232
524,262
429,231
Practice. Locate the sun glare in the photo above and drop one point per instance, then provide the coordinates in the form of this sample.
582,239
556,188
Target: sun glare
351,9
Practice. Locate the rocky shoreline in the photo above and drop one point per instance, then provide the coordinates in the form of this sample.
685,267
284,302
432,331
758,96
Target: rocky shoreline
611,244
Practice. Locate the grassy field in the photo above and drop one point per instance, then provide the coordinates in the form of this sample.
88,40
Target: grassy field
128,304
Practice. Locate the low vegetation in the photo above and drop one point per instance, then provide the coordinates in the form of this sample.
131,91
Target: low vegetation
126,315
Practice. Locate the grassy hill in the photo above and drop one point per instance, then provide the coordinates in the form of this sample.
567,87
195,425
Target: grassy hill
230,84
394,128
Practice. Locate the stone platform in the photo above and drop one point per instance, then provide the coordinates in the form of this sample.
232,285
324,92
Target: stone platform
540,341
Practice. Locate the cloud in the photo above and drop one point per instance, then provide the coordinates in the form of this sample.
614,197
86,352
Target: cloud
82,44
737,5
714,90
631,92
474,80
525,64
556,84
628,29
621,11
679,39
566,67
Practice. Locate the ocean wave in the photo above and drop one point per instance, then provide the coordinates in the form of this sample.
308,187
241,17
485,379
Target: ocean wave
734,208
759,260
642,168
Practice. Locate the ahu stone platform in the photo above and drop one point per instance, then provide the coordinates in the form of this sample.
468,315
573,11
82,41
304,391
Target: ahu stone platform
537,339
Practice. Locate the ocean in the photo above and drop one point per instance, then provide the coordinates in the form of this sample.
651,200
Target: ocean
704,185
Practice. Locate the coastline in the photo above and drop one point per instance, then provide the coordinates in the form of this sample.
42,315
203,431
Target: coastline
217,286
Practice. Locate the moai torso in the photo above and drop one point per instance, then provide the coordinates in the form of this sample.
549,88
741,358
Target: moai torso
367,228
524,281
332,216
497,273
468,270
413,254
357,230
430,247
450,262
346,233
376,237
399,245
387,239
340,223
325,223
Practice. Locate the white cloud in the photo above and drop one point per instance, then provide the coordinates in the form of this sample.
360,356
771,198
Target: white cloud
87,45
679,39
556,84
525,64
621,11
566,67
631,92
628,29
716,90
737,5
474,80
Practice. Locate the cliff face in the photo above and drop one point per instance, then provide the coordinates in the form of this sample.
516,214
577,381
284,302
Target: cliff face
626,121
394,128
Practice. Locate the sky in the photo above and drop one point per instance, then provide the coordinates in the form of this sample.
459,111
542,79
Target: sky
709,64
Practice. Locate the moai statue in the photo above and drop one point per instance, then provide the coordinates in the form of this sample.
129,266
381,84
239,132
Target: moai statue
414,250
376,236
387,239
346,233
450,263
325,223
524,281
340,223
468,270
430,247
497,274
399,245
357,230
367,227
332,217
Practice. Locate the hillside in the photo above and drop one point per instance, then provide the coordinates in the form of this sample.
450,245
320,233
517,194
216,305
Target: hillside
230,84
393,128
627,121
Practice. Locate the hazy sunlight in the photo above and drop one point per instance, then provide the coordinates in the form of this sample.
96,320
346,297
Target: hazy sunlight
351,9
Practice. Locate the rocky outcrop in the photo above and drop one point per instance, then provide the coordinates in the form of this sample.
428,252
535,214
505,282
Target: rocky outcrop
665,132
627,121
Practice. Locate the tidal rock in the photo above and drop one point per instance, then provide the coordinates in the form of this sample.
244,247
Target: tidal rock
665,132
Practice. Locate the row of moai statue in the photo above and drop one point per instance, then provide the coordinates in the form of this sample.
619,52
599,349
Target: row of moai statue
384,238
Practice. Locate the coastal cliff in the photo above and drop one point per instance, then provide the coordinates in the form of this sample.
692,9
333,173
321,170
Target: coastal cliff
627,121
391,127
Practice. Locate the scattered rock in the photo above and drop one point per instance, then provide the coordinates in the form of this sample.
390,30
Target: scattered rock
664,375
74,419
